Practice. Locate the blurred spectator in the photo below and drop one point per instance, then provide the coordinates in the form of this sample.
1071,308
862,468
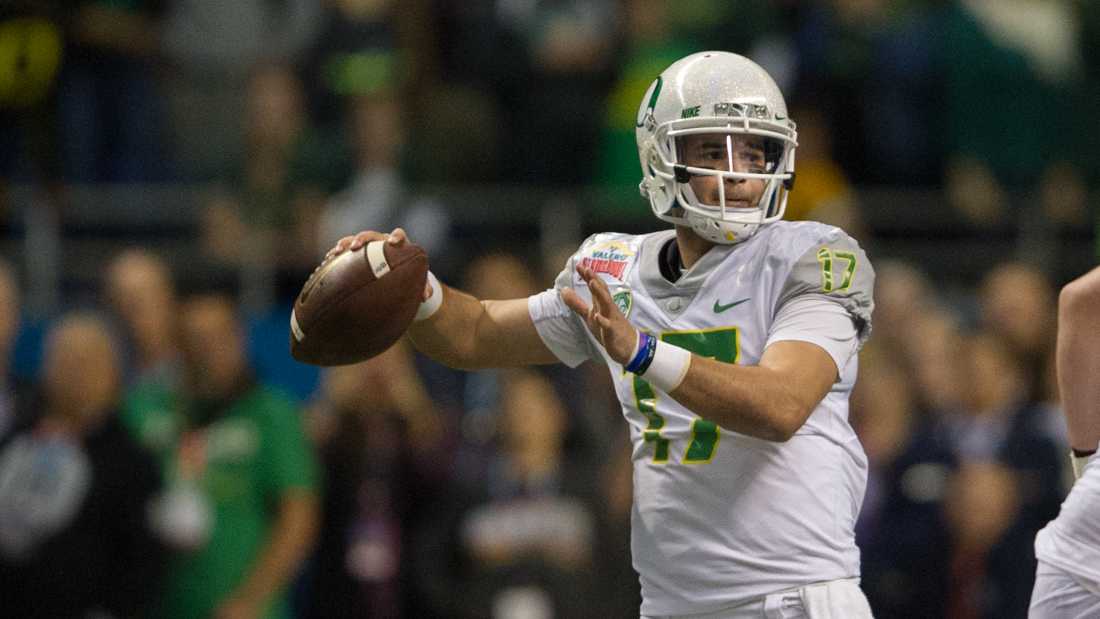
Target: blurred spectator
13,391
267,211
212,47
381,447
1018,304
355,54
934,362
141,294
1001,436
110,105
378,197
915,328
241,509
522,542
651,44
547,63
834,44
492,276
901,530
28,123
621,594
902,293
987,579
1087,100
1022,62
74,491
822,192
902,96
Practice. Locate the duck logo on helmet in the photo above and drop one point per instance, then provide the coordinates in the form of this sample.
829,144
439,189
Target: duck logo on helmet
646,119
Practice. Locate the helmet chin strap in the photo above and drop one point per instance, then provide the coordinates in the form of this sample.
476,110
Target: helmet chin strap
721,232
713,229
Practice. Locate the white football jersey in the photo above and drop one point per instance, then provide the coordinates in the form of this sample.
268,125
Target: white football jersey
1072,540
721,518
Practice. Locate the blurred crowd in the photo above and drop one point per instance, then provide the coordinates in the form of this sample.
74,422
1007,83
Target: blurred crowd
161,456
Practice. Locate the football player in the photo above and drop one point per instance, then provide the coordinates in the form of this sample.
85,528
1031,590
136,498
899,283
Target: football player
731,339
1067,581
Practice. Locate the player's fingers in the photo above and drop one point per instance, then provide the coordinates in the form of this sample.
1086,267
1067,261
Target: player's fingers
398,236
363,238
601,297
586,273
340,247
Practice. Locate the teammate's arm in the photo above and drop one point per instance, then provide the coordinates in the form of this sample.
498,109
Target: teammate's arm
466,333
1078,362
770,400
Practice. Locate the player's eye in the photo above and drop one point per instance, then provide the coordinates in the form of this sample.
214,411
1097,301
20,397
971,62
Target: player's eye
711,158
754,160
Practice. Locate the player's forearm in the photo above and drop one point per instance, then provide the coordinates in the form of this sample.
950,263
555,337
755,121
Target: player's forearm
289,542
1078,363
751,400
468,334
449,336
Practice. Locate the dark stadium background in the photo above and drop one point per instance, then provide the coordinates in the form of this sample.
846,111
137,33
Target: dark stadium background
236,141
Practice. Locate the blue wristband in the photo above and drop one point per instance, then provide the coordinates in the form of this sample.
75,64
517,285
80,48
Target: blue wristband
647,348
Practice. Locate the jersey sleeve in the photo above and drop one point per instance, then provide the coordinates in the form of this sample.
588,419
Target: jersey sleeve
563,332
836,270
818,320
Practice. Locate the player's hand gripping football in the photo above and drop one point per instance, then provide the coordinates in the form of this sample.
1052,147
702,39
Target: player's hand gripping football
613,331
355,241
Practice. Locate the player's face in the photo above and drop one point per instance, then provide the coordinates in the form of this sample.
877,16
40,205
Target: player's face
212,346
725,153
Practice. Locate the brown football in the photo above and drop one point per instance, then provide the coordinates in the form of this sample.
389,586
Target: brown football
357,304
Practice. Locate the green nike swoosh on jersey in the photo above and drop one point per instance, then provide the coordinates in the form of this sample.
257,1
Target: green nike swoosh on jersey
719,308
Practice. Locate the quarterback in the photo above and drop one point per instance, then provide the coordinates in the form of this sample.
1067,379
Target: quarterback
731,339
1067,582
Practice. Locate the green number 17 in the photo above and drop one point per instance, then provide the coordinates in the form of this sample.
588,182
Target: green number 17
720,344
826,256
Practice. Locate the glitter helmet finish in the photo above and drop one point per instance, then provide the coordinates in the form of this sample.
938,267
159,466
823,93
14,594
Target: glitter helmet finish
714,93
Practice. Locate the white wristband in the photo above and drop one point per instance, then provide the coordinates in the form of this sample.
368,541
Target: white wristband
669,367
430,306
1079,463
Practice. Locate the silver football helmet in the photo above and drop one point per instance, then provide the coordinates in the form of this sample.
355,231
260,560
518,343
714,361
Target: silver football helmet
733,98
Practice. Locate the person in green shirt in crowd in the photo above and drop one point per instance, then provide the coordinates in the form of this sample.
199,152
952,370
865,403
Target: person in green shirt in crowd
241,505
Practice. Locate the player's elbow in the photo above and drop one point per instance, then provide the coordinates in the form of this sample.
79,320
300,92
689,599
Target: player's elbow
785,418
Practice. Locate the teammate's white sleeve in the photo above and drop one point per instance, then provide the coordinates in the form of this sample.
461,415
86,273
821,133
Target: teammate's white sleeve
561,329
820,320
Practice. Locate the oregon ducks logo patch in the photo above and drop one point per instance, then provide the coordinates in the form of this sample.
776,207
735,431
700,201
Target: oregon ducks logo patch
624,301
645,115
